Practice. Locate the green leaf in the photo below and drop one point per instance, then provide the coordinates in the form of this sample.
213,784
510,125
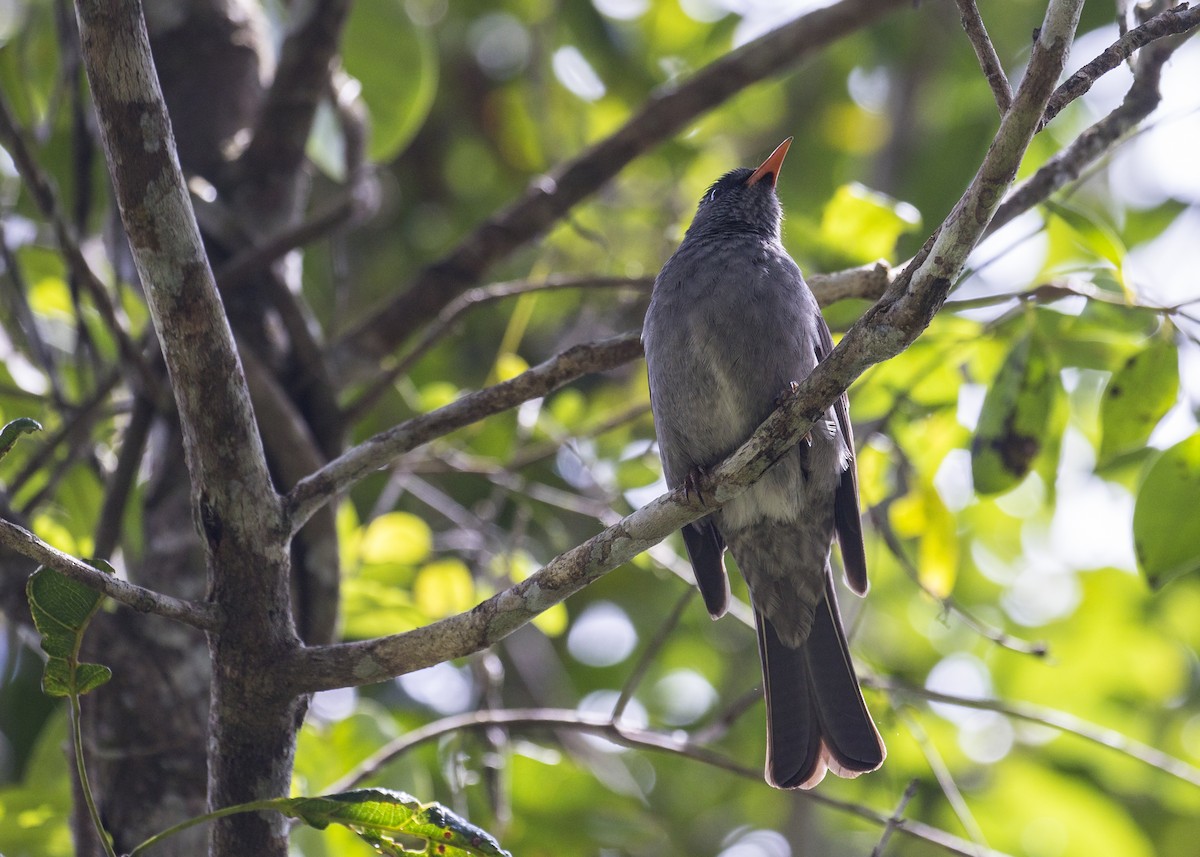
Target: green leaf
396,63
1016,413
1091,233
390,821
61,609
13,430
1165,536
1137,396
864,225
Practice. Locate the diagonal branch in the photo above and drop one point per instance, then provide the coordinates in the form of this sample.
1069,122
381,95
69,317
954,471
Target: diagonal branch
548,198
206,617
884,330
315,490
1172,22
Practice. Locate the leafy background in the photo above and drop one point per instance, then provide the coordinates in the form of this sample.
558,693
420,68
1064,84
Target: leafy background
1029,468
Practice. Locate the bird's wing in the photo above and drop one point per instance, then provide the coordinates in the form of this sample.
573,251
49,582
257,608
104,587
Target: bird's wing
704,542
846,520
706,549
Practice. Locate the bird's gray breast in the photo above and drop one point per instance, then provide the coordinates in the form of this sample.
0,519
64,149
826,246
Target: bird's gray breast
728,329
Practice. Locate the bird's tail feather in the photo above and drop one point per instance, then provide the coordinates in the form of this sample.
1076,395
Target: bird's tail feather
816,716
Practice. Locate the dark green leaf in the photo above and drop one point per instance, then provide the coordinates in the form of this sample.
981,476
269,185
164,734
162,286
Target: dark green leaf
13,430
1016,413
1165,535
61,609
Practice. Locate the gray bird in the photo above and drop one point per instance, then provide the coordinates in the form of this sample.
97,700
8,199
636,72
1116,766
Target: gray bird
731,327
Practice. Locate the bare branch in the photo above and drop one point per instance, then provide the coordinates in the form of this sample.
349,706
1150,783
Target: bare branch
641,739
1169,23
549,197
897,815
883,331
381,450
985,51
1088,147
206,617
221,441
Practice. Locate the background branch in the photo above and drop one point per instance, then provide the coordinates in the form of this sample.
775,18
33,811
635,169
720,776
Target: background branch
549,197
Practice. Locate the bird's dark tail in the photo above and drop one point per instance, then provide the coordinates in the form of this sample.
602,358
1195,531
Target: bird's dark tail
816,717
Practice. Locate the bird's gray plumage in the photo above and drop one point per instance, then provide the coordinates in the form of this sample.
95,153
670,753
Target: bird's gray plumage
731,325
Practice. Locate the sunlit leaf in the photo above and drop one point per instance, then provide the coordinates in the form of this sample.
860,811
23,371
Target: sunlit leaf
444,588
1138,395
397,537
864,225
1016,412
1166,537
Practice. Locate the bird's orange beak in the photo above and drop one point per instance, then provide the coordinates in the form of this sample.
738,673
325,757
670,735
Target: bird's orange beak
770,167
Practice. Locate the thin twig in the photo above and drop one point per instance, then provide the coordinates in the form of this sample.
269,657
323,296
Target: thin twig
945,780
653,647
459,307
1059,720
40,188
882,525
315,490
985,51
910,792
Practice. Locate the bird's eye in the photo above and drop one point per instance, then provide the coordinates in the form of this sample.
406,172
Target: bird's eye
713,194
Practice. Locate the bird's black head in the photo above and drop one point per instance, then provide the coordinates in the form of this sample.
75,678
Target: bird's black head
743,200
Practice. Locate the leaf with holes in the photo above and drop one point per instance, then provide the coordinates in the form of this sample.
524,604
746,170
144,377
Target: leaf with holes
1138,395
395,823
62,609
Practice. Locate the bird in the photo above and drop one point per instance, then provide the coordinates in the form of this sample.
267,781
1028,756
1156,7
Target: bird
731,328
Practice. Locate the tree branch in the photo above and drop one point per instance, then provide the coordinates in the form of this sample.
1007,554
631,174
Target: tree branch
884,330
549,197
206,617
224,450
381,450
985,51
1172,22
640,739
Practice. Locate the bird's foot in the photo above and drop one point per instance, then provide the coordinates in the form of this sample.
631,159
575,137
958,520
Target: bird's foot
691,484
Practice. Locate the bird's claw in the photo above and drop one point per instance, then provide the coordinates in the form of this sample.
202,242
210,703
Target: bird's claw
788,391
691,484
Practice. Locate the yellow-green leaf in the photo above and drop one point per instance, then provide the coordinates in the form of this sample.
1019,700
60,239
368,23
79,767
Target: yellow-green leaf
1137,396
863,225
397,537
1166,537
444,588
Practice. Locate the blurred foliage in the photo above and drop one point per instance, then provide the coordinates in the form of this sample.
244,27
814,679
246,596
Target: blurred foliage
1048,350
